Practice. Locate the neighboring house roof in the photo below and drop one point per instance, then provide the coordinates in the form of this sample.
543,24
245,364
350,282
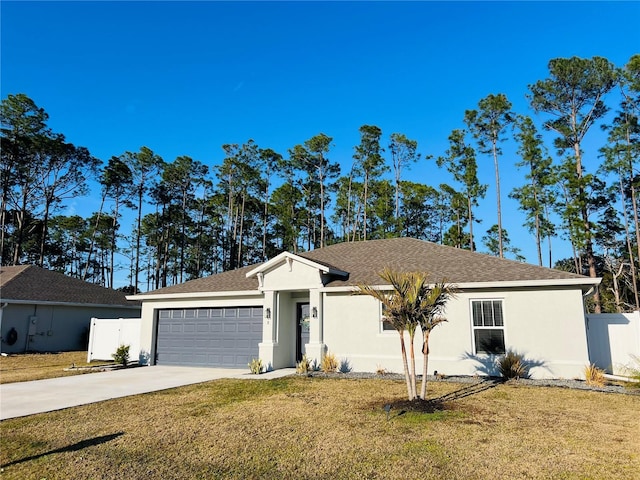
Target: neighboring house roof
28,283
363,261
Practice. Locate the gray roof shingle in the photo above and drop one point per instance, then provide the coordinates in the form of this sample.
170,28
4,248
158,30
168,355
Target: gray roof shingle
364,261
31,283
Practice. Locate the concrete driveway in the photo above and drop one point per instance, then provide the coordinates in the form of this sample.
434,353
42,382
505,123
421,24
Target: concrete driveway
27,398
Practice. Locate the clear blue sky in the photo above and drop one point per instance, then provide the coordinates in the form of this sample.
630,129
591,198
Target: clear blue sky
183,78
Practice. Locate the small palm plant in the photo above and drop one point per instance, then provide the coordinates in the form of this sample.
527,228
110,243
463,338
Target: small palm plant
512,365
412,304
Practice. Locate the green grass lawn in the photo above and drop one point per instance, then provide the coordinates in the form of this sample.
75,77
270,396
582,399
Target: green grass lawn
325,428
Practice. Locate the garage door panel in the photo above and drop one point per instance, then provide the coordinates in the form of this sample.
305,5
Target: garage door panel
219,337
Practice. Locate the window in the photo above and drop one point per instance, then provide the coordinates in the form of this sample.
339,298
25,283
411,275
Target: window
488,326
385,325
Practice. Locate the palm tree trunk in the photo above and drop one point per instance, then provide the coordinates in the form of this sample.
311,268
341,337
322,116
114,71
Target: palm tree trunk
425,366
413,367
405,365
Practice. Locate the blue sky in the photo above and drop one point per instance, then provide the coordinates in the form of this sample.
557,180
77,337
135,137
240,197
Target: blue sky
183,78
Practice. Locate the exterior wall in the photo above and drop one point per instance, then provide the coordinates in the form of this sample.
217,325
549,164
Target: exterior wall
546,326
149,317
56,327
614,339
292,276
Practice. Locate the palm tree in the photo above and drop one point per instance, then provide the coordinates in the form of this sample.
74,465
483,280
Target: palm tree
430,311
411,303
396,313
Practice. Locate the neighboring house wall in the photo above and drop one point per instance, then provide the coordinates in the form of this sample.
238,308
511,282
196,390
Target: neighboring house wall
614,338
51,327
546,326
107,334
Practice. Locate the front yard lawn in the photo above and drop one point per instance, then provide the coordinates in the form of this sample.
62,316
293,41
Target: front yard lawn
38,366
325,428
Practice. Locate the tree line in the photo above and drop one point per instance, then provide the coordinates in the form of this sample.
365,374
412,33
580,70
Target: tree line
258,202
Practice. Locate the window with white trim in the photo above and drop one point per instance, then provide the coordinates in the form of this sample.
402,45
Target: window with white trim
385,325
488,327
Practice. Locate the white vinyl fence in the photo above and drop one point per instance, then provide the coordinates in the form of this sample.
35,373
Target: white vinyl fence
614,339
107,334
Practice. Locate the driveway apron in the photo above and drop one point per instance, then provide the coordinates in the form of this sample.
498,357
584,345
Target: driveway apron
28,398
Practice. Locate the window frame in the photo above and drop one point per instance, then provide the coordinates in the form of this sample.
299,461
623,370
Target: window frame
488,327
382,317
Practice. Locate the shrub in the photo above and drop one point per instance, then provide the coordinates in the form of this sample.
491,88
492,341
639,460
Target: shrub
329,363
255,366
122,355
304,366
593,375
511,365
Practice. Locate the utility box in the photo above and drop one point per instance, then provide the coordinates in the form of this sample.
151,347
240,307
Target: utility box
33,325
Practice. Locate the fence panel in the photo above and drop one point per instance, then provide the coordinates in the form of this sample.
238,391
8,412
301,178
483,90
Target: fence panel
107,334
613,339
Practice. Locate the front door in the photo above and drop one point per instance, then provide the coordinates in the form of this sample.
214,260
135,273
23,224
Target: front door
302,329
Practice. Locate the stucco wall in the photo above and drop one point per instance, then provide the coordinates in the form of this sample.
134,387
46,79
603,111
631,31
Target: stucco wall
56,327
292,277
546,326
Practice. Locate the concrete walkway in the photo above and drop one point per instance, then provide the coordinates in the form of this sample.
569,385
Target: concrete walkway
28,398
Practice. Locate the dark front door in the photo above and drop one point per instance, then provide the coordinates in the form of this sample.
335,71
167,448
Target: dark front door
302,329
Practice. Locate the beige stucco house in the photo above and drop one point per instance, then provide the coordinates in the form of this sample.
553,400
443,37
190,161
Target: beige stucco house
46,311
304,303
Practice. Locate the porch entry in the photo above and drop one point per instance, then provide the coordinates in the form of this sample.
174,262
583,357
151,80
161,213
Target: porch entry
302,329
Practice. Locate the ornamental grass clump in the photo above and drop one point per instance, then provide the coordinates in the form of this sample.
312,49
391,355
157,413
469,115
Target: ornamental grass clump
303,366
255,366
511,365
594,376
329,363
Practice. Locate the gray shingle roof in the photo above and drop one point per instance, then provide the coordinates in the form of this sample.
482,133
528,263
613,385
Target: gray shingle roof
364,260
31,283
231,281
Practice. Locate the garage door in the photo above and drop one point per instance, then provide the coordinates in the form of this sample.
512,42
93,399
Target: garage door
214,337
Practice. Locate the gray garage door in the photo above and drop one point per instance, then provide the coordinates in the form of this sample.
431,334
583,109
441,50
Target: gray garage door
214,337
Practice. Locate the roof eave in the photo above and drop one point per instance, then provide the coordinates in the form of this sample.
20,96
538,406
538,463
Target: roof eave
264,267
194,295
11,301
585,283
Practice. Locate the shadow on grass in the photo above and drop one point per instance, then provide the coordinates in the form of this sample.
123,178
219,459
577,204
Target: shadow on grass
432,405
69,448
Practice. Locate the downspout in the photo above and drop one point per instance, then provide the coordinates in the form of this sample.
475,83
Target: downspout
2,307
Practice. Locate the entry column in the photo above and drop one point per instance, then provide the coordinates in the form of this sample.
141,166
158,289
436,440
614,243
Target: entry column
315,348
269,324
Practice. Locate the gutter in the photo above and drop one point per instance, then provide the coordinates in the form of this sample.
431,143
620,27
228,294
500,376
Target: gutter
586,282
67,304
195,295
